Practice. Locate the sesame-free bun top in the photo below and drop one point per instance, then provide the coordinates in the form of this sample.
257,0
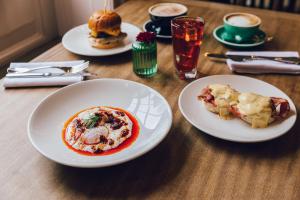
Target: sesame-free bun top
105,21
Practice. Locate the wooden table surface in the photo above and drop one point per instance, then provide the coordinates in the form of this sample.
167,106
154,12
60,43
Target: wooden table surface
188,164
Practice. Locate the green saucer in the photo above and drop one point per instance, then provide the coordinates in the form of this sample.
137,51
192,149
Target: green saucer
257,40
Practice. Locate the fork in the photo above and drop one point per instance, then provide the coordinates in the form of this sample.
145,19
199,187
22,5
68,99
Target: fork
73,69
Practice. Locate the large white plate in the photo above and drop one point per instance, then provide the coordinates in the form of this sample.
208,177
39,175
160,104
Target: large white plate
235,129
150,109
76,40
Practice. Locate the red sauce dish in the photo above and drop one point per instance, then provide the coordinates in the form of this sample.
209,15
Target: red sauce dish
129,141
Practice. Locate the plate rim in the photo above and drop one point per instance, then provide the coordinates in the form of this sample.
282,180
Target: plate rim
204,130
235,44
148,148
95,55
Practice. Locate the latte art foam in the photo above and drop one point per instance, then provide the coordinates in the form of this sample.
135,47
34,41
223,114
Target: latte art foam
242,20
168,9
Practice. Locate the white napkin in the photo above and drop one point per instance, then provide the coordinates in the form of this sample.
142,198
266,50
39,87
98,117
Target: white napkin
264,66
44,81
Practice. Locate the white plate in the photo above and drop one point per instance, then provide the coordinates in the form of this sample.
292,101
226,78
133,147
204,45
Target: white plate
235,129
76,40
150,109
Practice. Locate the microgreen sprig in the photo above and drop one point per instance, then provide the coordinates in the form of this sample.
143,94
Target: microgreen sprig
91,121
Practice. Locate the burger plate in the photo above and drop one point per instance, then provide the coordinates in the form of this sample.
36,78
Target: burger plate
76,41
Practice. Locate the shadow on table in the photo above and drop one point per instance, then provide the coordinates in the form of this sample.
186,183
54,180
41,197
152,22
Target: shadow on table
279,147
110,60
117,58
137,178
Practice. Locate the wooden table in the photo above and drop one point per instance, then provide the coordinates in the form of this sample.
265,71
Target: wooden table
188,164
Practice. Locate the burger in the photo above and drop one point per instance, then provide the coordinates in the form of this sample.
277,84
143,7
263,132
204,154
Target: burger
105,29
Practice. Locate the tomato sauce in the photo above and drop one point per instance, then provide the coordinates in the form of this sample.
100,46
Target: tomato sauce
125,144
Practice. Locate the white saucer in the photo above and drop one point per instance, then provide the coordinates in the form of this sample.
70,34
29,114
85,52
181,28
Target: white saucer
150,109
76,41
235,129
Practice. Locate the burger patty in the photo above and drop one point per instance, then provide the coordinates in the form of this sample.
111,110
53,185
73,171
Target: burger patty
105,38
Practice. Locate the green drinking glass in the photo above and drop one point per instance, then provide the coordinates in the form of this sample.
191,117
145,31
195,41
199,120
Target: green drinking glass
144,55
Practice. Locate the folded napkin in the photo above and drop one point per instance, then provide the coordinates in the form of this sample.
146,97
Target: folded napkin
44,81
264,66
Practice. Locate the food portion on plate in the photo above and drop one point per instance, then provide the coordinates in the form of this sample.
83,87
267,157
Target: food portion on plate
100,131
218,99
255,109
105,26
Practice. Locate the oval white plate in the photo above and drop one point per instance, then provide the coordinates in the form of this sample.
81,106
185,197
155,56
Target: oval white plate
150,109
235,129
76,40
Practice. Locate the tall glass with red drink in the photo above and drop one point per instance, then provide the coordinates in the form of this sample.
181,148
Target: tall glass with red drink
187,34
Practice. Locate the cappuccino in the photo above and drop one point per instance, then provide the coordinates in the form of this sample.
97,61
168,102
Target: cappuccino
242,20
168,9
240,27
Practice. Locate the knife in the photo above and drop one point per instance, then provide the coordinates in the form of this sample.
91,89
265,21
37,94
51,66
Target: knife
244,58
45,74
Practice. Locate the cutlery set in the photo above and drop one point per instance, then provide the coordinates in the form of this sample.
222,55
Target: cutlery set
246,58
18,72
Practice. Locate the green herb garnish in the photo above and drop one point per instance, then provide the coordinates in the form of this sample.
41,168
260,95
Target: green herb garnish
91,121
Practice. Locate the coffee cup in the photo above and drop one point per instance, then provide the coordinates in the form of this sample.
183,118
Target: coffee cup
240,27
161,15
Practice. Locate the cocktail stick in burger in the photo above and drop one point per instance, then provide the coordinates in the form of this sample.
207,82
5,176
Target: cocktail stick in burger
105,28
